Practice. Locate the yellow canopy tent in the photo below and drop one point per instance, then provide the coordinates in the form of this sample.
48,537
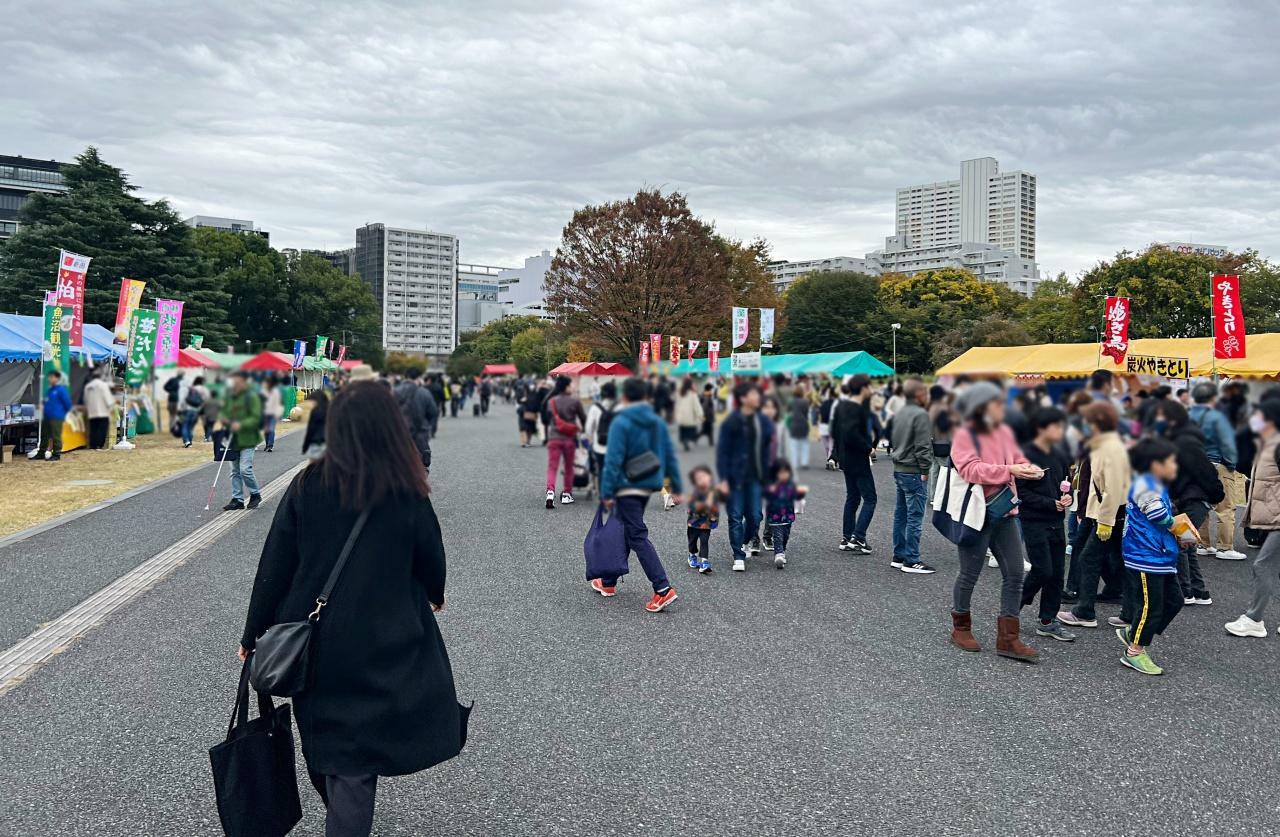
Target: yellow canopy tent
1077,360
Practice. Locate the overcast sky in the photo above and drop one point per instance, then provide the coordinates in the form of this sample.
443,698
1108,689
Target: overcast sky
795,121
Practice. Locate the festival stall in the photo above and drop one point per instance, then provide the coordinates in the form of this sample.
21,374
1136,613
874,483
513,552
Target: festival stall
835,364
499,369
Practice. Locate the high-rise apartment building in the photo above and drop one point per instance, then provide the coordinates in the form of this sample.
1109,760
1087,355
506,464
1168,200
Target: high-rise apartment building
20,178
344,260
414,278
786,272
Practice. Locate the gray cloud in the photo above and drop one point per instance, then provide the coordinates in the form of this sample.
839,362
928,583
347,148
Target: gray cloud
794,121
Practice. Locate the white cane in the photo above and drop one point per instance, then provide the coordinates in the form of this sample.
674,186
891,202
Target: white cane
213,488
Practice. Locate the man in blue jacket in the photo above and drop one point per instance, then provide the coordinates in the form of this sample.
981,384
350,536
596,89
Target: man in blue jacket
57,403
1220,445
744,455
638,458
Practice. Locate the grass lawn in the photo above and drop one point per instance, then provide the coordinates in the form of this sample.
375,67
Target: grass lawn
33,492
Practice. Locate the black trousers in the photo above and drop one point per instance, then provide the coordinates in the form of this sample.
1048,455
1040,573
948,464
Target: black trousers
1099,560
700,542
1047,551
1189,575
1154,599
98,428
348,802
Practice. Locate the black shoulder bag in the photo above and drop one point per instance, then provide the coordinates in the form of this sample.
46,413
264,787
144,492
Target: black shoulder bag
280,657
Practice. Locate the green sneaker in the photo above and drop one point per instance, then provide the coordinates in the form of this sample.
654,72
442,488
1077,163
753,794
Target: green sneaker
1141,663
1123,633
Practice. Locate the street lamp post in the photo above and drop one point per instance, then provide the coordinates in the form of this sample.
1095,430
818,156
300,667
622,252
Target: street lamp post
895,327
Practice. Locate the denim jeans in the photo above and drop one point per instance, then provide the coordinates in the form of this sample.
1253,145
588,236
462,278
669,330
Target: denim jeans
269,430
242,475
1004,538
798,451
781,535
630,510
858,491
744,515
908,516
189,419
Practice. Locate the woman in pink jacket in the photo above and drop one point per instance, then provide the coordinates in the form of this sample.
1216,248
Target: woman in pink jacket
985,452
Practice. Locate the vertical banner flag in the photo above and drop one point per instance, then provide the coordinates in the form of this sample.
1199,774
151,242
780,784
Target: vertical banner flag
130,299
1115,334
342,354
766,328
1228,318
141,353
655,347
56,353
713,356
322,343
644,353
741,326
675,350
197,340
72,268
170,311
299,353
693,347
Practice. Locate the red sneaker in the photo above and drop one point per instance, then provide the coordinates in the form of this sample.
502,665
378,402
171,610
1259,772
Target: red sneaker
660,600
599,587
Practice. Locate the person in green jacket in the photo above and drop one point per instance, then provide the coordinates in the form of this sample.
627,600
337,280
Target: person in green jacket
242,413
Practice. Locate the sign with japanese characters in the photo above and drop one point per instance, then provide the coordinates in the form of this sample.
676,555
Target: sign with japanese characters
713,356
1228,318
766,328
140,356
170,311
1115,335
56,354
72,269
299,353
745,361
741,326
1161,367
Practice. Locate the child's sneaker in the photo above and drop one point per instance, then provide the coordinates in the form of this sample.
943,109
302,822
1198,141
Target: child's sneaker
551,499
753,548
780,560
603,589
660,600
1123,635
768,540
694,563
704,566
739,565
566,499
1141,663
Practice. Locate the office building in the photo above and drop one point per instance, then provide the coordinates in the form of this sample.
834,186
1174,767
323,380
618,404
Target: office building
1215,250
478,289
984,222
236,225
20,178
522,286
344,260
785,272
414,276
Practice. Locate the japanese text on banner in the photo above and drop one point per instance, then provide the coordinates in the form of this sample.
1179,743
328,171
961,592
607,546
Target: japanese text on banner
1228,318
1115,335
741,326
170,311
72,269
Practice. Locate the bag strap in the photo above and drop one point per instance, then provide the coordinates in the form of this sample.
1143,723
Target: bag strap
240,713
332,581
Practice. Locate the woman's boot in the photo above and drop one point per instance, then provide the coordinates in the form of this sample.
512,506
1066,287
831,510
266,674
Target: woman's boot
962,632
1009,643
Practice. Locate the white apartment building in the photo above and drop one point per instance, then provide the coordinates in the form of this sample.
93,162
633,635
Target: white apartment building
786,272
985,221
414,277
522,286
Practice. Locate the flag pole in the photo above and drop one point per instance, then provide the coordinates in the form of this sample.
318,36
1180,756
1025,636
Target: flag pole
1213,324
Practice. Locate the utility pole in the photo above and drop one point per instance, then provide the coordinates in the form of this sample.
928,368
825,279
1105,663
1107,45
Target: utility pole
895,327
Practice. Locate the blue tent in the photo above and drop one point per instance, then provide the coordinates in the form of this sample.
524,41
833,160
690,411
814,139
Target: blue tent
22,339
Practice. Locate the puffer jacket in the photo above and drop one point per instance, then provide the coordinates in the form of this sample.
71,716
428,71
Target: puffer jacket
1263,510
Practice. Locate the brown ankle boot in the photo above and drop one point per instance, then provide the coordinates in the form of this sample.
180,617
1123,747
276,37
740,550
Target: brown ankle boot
1010,644
962,632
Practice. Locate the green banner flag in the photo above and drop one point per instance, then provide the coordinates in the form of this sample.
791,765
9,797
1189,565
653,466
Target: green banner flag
322,344
197,340
141,353
57,349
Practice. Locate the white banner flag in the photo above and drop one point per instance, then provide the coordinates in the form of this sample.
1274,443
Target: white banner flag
693,347
741,326
713,356
766,327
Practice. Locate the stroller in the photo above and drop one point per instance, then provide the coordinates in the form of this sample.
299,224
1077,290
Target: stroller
584,475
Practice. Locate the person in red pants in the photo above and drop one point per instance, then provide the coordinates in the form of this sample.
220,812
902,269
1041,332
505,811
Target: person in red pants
567,419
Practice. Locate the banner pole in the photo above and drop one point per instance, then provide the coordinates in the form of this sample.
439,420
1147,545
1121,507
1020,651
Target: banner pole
1213,325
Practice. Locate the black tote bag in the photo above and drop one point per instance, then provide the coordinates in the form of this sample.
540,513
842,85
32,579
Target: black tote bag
254,778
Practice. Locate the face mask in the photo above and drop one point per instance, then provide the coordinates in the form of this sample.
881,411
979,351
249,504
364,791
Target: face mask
1256,423
1087,429
1160,426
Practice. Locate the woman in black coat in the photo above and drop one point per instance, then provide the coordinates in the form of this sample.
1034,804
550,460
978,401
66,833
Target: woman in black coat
380,698
1196,490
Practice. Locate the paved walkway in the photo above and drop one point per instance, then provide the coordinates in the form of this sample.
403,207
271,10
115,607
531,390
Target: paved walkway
822,699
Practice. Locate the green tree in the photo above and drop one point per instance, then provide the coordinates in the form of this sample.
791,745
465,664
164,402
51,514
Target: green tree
628,268
835,311
323,300
530,351
253,275
99,216
1050,316
990,330
750,285
935,301
463,364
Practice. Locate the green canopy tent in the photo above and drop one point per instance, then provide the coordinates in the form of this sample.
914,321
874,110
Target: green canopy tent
227,361
836,364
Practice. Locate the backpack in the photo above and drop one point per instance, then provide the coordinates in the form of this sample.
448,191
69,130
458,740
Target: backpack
563,427
602,427
193,398
413,416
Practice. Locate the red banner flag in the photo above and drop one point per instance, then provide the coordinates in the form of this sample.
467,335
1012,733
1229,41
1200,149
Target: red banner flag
655,347
693,347
713,356
1228,318
72,268
1115,334
675,350
644,353
342,354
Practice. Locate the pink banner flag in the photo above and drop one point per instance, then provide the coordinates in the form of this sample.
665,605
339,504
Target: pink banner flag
342,354
644,353
72,269
170,311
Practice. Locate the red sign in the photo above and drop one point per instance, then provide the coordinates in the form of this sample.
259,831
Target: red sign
1115,334
1228,318
644,353
692,348
655,347
70,291
342,355
675,350
713,356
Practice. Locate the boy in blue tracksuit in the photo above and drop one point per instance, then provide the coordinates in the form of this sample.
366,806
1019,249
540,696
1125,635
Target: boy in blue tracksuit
1150,551
57,403
636,431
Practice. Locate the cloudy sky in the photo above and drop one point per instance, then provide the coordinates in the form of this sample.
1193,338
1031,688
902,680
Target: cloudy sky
795,121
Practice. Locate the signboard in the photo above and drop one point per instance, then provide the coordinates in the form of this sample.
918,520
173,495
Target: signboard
1228,318
72,268
322,345
745,361
766,328
141,353
299,353
1162,367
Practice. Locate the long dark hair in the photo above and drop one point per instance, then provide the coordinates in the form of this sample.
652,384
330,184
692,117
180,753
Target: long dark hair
368,457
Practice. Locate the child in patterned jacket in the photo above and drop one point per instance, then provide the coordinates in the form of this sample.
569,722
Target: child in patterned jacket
704,514
781,498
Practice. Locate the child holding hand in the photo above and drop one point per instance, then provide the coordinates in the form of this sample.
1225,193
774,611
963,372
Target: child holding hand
704,515
780,498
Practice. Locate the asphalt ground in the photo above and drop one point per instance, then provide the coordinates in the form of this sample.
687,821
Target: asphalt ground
820,699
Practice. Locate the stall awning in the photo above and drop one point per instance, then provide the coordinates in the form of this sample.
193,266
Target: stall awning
191,359
499,369
591,367
22,338
837,364
269,362
227,361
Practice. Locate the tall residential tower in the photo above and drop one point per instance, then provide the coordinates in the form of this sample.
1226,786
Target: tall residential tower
414,278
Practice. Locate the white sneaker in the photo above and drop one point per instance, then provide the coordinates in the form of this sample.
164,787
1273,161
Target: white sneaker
1204,551
780,560
551,499
1026,567
1244,626
991,559
1231,555
739,565
566,499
